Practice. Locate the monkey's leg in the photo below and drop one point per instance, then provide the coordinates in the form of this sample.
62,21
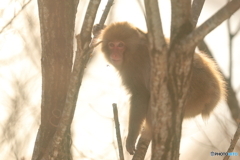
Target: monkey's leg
144,140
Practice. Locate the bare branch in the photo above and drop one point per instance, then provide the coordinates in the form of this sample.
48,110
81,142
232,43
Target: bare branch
233,142
15,16
224,13
105,13
158,50
230,36
98,27
154,24
197,6
181,19
237,30
88,22
117,125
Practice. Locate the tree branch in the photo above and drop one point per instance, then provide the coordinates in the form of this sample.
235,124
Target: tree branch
192,39
158,47
233,142
75,81
118,133
154,24
105,13
181,23
88,22
197,6
15,16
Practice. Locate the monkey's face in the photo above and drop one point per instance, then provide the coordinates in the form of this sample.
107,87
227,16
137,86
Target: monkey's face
116,52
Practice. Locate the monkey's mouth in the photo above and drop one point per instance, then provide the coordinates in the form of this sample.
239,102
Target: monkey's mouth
116,62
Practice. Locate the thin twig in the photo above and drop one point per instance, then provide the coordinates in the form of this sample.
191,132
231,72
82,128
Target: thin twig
238,29
15,16
230,36
98,27
118,133
233,142
105,13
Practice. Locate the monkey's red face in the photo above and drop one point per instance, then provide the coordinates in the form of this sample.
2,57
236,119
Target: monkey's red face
116,49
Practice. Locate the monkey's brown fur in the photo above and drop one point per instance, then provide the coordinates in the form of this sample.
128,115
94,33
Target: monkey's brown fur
206,89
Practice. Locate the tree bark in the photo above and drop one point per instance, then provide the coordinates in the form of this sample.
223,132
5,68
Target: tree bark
57,21
171,69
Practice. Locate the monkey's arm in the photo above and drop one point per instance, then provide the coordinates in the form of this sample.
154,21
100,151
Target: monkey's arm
138,111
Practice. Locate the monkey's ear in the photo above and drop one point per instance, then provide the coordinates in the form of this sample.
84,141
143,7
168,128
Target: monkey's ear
142,36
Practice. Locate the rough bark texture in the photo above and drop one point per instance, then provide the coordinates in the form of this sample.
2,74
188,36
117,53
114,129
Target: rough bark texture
57,19
200,32
197,6
171,69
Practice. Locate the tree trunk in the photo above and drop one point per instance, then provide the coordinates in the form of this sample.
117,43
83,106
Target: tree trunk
57,21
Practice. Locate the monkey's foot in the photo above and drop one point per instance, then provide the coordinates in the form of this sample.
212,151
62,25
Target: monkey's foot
131,149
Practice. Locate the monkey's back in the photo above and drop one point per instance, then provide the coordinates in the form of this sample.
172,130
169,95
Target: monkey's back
206,89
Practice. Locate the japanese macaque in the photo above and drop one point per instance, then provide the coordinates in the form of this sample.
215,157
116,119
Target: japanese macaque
125,47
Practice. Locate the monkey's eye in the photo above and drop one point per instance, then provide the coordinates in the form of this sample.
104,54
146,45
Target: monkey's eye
111,44
121,44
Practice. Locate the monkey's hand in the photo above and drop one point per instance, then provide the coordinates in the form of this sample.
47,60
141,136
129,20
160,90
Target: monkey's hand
130,145
96,31
97,28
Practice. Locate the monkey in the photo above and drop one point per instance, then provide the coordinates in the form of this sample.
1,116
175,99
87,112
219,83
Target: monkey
126,48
